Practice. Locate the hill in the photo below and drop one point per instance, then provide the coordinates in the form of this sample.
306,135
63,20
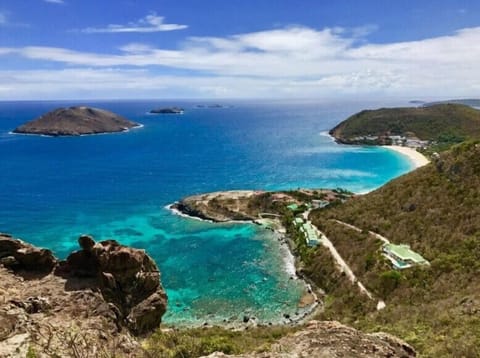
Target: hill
472,102
76,121
436,210
441,123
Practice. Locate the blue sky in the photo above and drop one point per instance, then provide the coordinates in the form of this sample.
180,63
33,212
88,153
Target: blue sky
85,49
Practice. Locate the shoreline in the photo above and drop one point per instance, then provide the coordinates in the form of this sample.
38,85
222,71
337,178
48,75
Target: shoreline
290,268
125,130
415,157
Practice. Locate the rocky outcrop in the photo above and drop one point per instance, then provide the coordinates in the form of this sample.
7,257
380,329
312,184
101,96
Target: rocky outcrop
74,121
94,302
220,206
18,255
333,339
127,277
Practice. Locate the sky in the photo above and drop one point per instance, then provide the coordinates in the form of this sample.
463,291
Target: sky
154,49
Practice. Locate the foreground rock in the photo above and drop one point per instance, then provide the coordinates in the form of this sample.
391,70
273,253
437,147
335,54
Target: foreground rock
19,255
333,339
74,121
95,302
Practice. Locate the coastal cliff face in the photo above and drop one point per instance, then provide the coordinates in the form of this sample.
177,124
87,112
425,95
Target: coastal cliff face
93,303
74,121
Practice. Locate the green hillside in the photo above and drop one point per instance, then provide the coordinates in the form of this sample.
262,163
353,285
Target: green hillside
442,122
473,102
436,210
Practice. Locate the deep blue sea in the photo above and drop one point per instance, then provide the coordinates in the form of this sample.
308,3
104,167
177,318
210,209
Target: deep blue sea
117,186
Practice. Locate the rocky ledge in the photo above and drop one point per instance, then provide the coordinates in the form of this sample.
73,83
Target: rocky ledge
91,304
75,121
333,339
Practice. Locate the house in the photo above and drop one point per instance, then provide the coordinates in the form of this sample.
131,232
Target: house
292,207
310,233
318,204
298,221
402,256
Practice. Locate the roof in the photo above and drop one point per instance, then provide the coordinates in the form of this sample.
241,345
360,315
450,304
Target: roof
299,220
404,253
293,206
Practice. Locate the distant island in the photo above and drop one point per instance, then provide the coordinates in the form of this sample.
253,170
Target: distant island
74,121
167,110
472,102
216,105
416,101
416,127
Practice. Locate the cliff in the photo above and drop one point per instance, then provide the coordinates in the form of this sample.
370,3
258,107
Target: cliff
74,121
93,303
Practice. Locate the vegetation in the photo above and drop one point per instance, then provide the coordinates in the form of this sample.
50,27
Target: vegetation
467,101
196,342
444,124
436,210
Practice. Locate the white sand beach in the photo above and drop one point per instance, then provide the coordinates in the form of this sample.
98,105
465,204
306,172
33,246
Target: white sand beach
417,158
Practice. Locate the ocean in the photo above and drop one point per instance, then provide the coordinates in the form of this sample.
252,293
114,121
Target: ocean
118,185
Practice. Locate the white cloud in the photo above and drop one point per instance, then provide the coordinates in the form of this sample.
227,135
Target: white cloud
294,61
55,1
150,23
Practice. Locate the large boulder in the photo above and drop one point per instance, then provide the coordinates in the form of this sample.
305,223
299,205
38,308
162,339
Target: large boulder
18,255
127,277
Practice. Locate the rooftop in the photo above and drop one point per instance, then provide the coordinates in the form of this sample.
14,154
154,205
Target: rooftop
404,253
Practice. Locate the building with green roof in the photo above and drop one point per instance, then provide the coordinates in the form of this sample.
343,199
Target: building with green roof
402,256
293,207
298,221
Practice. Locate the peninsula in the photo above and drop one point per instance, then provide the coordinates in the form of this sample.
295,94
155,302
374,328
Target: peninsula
440,125
74,121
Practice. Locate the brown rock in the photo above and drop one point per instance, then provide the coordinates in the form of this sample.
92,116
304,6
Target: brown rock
82,264
333,339
147,315
86,242
127,277
27,257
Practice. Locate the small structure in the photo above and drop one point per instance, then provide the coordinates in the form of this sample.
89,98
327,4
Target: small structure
298,221
402,256
318,204
292,207
310,234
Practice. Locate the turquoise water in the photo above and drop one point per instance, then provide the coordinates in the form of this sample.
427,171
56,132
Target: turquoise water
117,185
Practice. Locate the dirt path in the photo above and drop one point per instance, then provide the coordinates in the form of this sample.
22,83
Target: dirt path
342,265
357,229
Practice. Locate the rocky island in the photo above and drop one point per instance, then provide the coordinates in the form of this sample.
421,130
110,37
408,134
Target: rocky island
168,110
74,121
